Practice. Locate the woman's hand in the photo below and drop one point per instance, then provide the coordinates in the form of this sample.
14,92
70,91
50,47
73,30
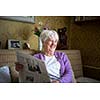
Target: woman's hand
55,81
18,66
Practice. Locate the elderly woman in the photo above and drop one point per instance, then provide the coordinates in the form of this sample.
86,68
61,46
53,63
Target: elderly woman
57,63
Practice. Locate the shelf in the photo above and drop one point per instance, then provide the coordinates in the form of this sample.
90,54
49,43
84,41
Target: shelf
86,18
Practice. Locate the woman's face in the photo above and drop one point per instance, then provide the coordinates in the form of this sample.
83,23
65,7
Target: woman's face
50,46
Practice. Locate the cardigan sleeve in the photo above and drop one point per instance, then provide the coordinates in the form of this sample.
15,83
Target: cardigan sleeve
67,75
39,56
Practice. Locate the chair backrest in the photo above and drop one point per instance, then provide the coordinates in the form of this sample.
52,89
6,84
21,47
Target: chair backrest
76,62
8,57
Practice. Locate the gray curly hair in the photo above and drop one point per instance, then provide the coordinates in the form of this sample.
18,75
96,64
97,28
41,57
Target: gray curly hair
46,34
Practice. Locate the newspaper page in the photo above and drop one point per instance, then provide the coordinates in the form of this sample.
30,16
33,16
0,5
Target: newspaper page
34,70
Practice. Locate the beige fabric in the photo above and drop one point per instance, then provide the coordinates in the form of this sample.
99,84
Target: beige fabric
8,57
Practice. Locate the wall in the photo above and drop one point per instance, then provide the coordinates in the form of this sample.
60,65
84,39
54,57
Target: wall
54,22
85,36
23,31
14,30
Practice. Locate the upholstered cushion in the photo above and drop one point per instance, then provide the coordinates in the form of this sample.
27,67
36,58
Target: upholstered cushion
87,80
5,74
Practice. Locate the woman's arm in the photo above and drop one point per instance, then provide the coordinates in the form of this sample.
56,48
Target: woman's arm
67,76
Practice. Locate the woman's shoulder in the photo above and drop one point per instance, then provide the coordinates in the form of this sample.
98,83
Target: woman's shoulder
38,54
59,53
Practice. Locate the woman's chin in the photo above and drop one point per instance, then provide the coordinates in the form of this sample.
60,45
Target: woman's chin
52,50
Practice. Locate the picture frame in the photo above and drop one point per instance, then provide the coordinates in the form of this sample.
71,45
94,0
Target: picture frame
28,19
14,44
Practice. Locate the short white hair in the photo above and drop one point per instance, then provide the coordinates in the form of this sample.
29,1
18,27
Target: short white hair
46,34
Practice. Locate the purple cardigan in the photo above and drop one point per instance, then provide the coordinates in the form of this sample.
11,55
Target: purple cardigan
65,70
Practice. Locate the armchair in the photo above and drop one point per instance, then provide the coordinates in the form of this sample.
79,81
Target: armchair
76,62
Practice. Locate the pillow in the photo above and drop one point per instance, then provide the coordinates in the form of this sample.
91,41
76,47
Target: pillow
5,74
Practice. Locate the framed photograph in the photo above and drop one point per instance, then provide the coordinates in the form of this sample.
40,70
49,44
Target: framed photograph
14,44
28,19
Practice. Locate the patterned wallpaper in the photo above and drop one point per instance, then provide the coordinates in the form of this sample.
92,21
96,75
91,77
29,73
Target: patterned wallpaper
23,31
14,30
54,22
85,36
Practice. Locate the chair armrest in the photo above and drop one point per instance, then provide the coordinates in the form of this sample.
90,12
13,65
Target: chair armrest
89,66
91,71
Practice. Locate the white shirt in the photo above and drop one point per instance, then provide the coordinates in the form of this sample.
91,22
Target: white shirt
53,67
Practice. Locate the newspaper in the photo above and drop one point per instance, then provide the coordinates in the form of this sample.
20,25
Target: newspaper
34,70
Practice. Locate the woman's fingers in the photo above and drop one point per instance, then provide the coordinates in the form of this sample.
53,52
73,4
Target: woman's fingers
18,66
